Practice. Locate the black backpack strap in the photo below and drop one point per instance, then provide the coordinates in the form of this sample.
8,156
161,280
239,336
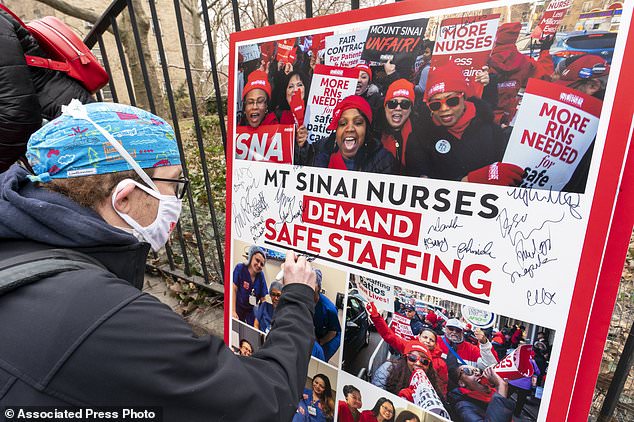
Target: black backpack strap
30,267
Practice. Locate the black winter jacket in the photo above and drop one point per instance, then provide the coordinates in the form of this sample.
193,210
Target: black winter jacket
371,156
441,155
90,338
27,94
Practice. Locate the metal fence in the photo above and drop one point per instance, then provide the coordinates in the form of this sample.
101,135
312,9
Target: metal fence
170,88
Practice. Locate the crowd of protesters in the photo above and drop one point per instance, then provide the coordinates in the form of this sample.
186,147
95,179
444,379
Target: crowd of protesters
422,122
458,360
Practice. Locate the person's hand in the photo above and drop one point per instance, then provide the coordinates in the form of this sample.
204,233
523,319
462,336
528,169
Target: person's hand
482,76
301,409
482,338
302,136
501,174
389,67
495,380
372,309
298,271
547,42
314,61
407,393
235,315
288,68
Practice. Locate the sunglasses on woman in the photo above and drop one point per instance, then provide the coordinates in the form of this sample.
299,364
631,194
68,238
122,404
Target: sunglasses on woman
412,357
451,101
405,104
469,371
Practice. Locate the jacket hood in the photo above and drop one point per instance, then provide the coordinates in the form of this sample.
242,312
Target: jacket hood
29,212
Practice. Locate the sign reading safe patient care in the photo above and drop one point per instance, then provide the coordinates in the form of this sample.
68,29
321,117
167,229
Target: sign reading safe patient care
329,86
466,41
271,143
554,128
400,42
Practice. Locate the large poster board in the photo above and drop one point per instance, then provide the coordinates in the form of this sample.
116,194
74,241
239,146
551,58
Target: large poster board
520,259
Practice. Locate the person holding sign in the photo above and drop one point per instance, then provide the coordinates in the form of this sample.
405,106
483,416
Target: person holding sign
352,146
395,375
480,396
290,110
249,285
460,352
427,337
462,143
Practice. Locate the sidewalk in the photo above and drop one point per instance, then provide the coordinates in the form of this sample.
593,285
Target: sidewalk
209,320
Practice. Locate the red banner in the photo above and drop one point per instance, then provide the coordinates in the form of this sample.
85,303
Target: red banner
271,143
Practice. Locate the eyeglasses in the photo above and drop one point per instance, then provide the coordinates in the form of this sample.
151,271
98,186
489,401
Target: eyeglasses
412,357
182,185
388,409
405,104
451,101
275,294
469,371
259,102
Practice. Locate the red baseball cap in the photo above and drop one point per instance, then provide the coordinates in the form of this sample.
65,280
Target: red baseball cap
364,67
589,66
400,88
416,346
257,79
353,101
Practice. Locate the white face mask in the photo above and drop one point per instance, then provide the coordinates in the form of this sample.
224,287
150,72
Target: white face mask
169,210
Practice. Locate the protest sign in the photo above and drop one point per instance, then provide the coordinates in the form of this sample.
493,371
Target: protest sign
516,364
270,143
466,41
425,396
553,129
329,86
286,51
398,42
400,326
381,294
345,50
551,19
495,255
478,317
250,52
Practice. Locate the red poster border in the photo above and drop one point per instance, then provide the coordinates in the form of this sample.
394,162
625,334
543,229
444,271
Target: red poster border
607,236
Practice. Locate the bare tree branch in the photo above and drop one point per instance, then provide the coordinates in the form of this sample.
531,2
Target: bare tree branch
68,9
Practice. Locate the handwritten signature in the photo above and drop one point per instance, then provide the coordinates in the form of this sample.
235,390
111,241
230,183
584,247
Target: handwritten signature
540,297
440,227
289,208
468,248
441,244
569,199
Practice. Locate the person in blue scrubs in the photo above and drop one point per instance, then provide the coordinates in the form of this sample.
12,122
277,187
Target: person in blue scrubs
265,310
249,285
326,321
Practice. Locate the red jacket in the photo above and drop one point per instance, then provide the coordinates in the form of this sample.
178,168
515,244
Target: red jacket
467,351
439,364
344,414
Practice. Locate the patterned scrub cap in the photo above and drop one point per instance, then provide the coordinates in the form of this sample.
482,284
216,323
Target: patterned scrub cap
100,138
